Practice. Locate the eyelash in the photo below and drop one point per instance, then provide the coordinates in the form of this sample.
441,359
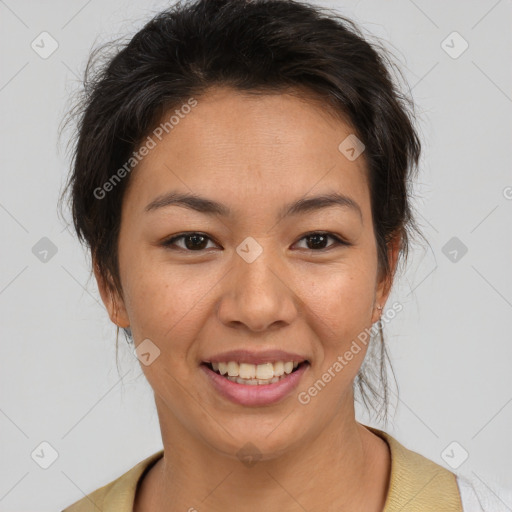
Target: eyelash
338,241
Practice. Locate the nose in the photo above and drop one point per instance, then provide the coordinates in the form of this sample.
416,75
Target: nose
258,296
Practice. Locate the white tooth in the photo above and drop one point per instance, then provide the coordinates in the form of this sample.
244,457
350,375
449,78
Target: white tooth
278,368
265,371
253,382
247,371
233,369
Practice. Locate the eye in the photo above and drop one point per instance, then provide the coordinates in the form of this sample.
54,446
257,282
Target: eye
193,241
318,239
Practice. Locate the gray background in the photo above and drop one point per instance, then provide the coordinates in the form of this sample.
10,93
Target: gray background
451,345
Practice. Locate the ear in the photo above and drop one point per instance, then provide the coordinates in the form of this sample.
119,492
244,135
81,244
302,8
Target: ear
114,304
385,282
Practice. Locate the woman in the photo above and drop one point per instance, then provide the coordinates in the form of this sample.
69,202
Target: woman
241,177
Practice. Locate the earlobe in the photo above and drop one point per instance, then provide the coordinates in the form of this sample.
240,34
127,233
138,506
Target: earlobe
385,282
117,312
114,305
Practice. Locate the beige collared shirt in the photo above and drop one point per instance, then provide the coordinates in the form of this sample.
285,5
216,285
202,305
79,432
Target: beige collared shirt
416,484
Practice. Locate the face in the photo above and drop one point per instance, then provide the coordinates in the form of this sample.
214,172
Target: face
251,275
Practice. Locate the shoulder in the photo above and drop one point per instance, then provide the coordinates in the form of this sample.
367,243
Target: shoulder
479,495
92,502
119,494
422,484
418,483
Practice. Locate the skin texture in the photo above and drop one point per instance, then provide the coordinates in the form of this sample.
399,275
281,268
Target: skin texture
253,154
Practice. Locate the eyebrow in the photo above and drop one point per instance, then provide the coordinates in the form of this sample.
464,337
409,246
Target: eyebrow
210,207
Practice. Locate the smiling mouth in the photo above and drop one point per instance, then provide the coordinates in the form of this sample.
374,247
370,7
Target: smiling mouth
255,375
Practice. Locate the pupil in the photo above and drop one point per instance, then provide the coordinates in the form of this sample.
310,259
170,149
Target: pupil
316,244
194,245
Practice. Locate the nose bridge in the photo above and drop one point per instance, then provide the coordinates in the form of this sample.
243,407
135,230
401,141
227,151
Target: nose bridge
257,273
258,293
256,268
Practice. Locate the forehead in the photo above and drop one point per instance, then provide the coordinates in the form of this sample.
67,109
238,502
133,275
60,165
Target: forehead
241,148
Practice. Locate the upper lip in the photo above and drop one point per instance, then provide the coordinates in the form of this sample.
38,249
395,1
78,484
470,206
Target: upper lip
246,356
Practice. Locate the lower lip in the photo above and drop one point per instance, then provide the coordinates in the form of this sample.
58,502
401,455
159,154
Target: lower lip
260,394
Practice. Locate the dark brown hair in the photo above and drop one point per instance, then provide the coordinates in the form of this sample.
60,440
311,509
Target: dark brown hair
258,47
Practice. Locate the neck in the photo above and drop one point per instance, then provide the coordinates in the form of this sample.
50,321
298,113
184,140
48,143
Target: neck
344,467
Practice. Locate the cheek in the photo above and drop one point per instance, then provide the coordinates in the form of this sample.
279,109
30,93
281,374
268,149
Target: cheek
342,298
342,305
162,303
